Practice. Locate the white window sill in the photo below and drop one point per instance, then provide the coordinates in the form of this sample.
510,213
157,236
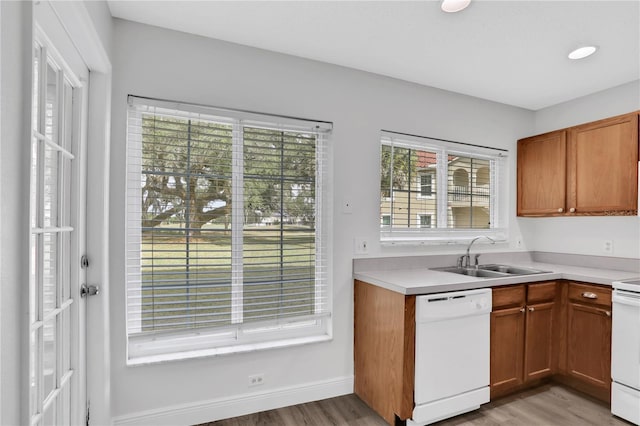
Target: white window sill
226,350
435,236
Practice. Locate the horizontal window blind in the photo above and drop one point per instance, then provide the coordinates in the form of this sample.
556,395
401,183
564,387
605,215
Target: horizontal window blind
439,191
225,231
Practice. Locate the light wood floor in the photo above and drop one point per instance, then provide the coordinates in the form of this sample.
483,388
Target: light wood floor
547,405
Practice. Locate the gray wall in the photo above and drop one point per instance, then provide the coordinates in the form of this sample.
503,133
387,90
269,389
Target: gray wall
586,235
102,22
15,85
159,63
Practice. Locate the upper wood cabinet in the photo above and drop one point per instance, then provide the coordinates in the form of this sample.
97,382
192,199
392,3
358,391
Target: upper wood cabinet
602,163
542,165
591,169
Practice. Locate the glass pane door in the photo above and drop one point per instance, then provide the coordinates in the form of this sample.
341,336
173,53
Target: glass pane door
53,310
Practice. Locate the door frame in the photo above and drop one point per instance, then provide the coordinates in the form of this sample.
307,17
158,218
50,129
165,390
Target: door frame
79,25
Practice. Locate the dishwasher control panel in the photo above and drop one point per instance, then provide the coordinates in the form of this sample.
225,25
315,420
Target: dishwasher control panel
437,306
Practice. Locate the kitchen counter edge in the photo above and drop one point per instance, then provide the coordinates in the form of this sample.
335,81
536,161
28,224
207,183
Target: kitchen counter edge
427,281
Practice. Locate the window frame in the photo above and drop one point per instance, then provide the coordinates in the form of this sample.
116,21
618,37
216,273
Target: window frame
431,193
439,233
160,346
420,216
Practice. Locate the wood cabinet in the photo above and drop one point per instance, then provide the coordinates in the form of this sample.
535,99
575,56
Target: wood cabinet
602,163
542,174
591,169
589,338
554,329
507,339
384,350
522,335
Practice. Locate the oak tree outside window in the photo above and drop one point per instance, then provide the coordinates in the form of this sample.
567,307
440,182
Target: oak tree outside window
439,191
226,243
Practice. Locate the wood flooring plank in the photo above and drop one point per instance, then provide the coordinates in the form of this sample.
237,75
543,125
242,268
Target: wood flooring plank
546,405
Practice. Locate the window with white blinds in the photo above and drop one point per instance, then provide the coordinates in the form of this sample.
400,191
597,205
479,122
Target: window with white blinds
436,191
226,232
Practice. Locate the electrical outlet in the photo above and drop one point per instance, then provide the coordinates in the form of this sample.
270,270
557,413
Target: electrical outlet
607,247
256,380
519,242
361,246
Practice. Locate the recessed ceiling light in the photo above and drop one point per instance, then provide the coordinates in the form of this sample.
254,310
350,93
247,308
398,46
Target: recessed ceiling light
454,5
582,52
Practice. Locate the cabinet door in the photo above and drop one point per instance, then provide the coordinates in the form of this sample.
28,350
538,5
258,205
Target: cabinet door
507,349
542,174
589,346
538,359
602,163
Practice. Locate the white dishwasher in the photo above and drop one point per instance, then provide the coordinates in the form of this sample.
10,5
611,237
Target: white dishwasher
452,354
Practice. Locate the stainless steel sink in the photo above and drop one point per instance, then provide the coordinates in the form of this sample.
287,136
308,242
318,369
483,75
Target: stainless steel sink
473,272
491,271
512,270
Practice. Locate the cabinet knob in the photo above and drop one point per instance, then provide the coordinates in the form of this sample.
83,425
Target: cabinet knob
560,210
521,309
607,313
531,309
572,209
589,295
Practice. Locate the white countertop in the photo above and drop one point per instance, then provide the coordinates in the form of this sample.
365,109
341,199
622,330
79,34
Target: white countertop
426,281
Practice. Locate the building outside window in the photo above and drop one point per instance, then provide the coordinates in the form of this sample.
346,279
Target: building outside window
434,190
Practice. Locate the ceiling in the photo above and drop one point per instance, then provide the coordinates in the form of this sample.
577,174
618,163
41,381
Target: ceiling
513,52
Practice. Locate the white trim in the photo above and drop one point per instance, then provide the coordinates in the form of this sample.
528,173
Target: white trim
79,26
1,233
223,408
430,215
78,23
248,118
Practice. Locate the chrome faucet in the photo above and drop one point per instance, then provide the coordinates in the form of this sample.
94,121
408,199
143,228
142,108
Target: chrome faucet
465,260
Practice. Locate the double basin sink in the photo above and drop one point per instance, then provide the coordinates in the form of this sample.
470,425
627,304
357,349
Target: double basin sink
491,271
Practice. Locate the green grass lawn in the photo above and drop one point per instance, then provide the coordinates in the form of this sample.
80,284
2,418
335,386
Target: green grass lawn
275,282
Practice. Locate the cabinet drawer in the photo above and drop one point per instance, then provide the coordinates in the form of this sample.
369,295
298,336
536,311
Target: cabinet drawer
543,292
508,296
590,294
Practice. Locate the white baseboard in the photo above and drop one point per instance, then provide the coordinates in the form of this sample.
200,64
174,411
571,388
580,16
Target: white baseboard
223,408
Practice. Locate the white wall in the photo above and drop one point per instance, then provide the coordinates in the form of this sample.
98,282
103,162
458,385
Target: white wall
102,22
586,235
15,85
160,63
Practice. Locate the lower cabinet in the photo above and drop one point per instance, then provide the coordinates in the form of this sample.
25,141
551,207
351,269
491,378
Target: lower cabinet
539,346
507,349
522,335
589,338
538,330
559,329
384,350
